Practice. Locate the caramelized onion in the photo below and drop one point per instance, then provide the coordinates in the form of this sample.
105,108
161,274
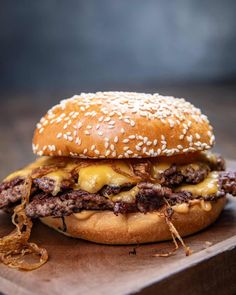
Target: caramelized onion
15,247
175,236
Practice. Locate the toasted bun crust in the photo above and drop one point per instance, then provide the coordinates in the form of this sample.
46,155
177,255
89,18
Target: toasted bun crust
122,125
106,228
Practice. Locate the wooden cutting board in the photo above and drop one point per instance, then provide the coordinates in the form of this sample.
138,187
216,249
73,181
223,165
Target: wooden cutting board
80,267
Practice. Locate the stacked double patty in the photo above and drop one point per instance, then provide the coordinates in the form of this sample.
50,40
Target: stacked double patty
149,192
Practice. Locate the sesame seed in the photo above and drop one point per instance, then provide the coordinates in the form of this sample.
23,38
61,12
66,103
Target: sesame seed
79,125
163,147
132,123
86,132
125,140
107,153
138,148
140,143
132,137
180,147
116,139
189,138
129,152
78,141
113,154
159,151
197,136
45,122
122,130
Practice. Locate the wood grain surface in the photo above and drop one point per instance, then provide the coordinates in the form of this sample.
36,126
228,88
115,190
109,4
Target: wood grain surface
80,267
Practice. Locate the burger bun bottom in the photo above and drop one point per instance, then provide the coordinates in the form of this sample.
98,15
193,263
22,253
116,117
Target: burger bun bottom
134,228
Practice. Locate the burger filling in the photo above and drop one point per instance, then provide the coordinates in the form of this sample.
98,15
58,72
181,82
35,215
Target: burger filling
59,186
63,186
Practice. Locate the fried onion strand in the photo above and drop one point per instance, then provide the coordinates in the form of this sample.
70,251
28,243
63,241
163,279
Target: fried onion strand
15,247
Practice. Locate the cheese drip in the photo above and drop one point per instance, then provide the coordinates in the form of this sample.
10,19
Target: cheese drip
209,186
185,207
93,178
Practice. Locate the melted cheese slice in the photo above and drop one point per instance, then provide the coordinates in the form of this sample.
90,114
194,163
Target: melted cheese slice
127,196
93,178
209,186
58,177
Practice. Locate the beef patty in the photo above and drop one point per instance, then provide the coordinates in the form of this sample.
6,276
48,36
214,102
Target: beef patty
149,197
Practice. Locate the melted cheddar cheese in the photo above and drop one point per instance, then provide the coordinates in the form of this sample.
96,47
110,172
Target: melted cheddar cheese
93,178
209,186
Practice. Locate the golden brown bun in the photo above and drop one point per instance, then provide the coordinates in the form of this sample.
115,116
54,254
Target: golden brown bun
107,228
122,125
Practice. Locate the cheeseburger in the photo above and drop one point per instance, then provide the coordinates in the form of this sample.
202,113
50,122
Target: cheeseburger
116,168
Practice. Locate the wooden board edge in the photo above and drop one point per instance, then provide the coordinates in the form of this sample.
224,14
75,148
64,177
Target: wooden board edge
227,247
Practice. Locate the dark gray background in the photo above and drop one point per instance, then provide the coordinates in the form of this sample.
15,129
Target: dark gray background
74,46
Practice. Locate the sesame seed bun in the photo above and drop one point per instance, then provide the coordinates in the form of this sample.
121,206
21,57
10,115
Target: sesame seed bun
107,228
122,125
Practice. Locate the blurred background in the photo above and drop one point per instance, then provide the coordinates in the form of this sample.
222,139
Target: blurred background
50,50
